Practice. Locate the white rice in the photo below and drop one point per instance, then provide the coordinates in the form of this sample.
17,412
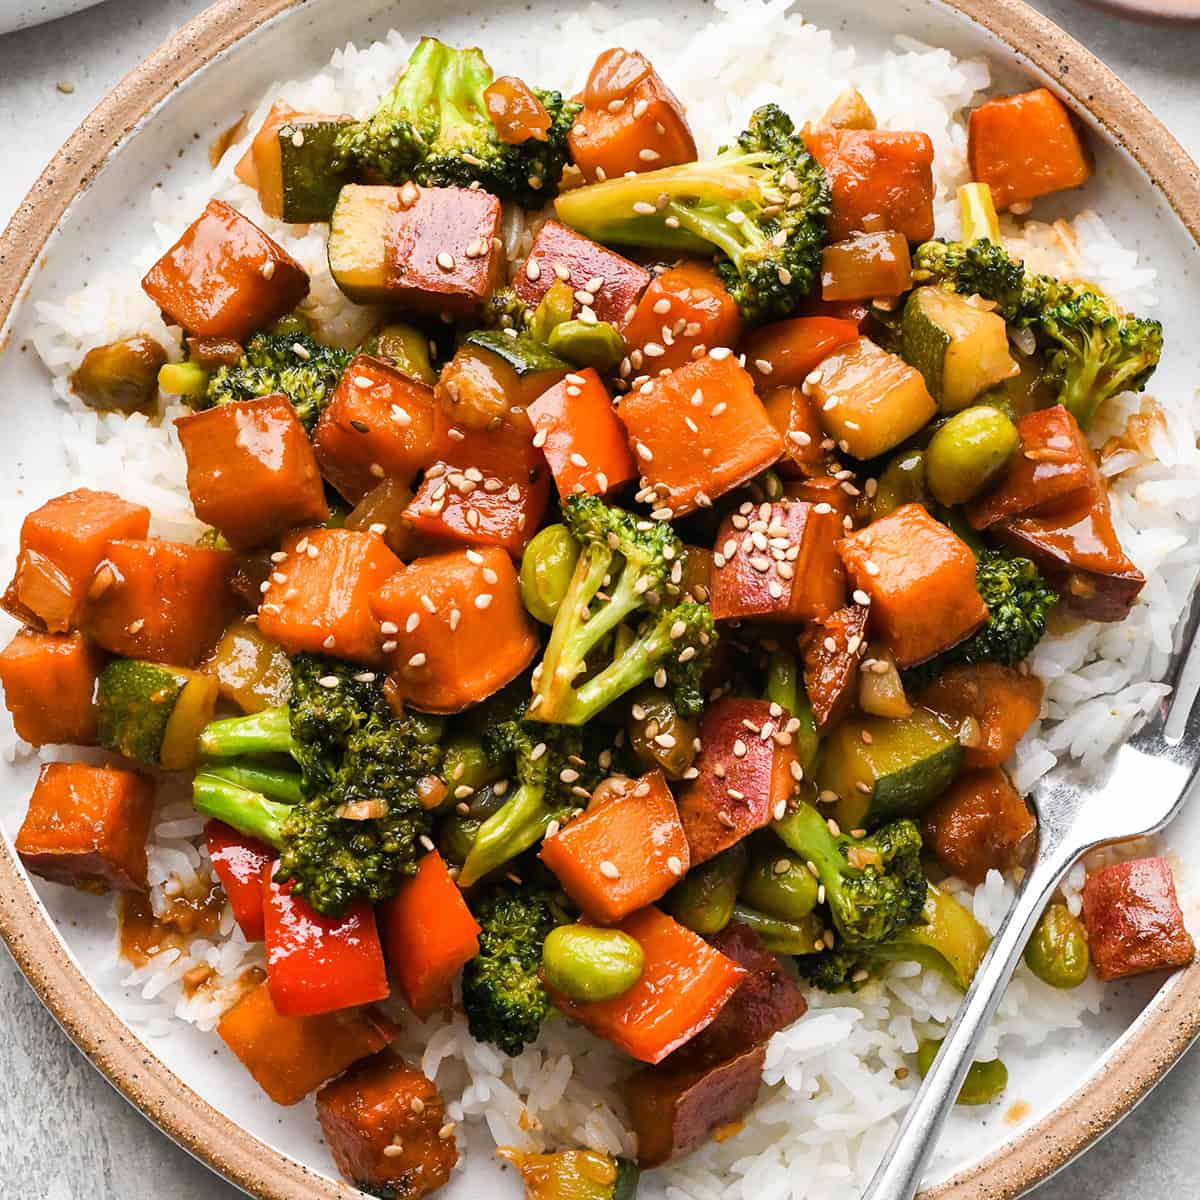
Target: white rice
832,1093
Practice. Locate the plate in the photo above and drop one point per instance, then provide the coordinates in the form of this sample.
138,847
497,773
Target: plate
21,14
91,206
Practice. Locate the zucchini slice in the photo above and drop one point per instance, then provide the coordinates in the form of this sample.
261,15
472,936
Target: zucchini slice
309,177
358,233
525,355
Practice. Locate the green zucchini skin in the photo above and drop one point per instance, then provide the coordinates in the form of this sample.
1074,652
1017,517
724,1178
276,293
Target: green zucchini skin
311,178
525,355
626,1185
136,700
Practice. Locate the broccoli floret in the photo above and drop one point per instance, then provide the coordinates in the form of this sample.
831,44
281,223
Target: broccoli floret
761,205
303,369
624,564
874,886
357,831
433,127
1092,350
503,995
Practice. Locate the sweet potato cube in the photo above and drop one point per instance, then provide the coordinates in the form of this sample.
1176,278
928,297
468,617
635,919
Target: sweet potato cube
784,353
866,266
168,602
684,312
699,432
684,985
441,250
455,629
979,824
49,683
622,855
560,253
379,424
290,1057
630,120
504,508
833,653
795,416
1055,467
1001,701
251,470
799,577
317,598
744,778
383,1122
920,577
1026,146
62,543
581,436
1133,919
87,827
225,277
881,179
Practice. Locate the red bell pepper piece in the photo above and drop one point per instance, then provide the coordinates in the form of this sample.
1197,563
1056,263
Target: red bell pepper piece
239,861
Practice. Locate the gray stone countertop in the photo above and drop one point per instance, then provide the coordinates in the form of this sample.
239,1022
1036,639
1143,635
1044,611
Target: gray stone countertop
64,1134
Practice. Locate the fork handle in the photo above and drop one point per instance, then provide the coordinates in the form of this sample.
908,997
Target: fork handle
899,1175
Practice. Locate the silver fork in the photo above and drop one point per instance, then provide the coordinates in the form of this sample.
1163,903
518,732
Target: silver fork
1142,791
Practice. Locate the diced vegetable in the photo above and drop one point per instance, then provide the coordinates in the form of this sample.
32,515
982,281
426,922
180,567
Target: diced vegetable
977,214
979,824
1026,146
779,884
869,399
225,277
796,417
493,374
62,543
251,671
87,827
898,770
684,985
319,964
630,120
49,683
379,424
359,228
622,855
290,1057
428,935
705,899
659,736
967,452
992,705
317,597
699,432
406,348
594,344
784,353
881,179
1057,952
251,470
385,1125
587,963
744,780
1133,919
573,1175
683,313
833,656
239,861
920,577
456,629
849,110
958,343
581,437
984,1083
865,266
800,581
121,376
516,112
382,510
152,713
546,570
188,380
558,249
162,601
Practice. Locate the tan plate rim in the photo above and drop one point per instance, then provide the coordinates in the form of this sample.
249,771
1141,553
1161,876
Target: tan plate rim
1141,1058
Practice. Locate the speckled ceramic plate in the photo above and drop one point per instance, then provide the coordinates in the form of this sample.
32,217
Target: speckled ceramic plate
90,207
20,14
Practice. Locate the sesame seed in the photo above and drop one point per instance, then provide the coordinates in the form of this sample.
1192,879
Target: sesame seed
537,752
578,460
780,810
389,627
267,270
648,155
329,642
719,353
445,261
483,600
389,647
532,271
609,870
725,819
328,681
739,749
871,568
674,865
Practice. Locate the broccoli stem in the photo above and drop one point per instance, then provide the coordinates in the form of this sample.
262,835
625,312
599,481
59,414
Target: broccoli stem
521,823
785,688
247,811
266,732
806,832
635,666
279,785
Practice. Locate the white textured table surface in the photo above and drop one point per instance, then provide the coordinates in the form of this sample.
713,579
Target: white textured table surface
64,1135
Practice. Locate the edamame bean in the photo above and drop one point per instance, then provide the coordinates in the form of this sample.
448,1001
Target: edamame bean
589,344
1057,953
780,885
546,569
705,898
984,1082
967,452
783,937
586,963
122,376
183,379
554,308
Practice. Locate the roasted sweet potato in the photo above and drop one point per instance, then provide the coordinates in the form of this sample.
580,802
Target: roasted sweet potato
225,277
784,352
920,577
317,598
744,780
87,827
386,1127
62,543
795,416
290,1057
251,470
49,683
630,120
833,655
979,824
1133,919
866,266
478,388
699,432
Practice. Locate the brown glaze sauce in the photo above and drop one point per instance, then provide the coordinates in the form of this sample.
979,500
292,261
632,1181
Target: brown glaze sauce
144,935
